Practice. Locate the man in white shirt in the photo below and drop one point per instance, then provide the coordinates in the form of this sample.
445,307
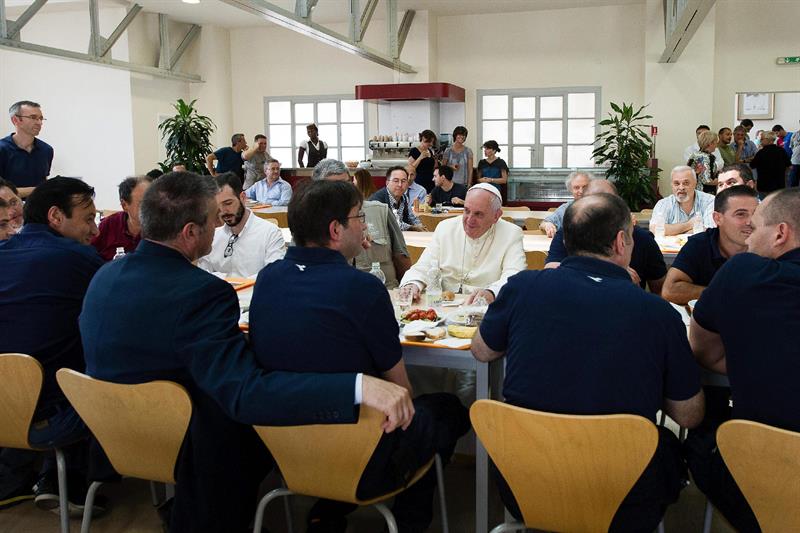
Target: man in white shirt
244,244
687,153
273,190
476,252
679,209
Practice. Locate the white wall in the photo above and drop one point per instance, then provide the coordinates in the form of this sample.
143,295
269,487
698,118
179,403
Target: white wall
88,107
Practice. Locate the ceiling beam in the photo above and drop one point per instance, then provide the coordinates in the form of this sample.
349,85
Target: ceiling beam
391,28
289,20
27,15
3,21
120,29
682,18
94,29
405,26
191,35
354,20
164,56
366,17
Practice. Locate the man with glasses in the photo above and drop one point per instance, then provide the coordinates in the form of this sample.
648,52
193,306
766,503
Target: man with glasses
24,159
394,195
10,194
273,190
244,244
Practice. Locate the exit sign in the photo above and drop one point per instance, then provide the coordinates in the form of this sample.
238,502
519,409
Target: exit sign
788,60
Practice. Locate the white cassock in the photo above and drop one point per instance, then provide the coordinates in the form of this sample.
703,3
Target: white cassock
470,264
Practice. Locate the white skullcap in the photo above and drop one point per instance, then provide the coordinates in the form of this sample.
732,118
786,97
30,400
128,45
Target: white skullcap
487,187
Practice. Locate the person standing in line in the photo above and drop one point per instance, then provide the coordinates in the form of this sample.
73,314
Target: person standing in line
421,158
459,157
316,148
228,158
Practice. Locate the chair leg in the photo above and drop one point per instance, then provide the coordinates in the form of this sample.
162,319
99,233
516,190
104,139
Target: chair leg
660,528
709,515
287,508
388,516
268,497
88,506
509,526
154,496
442,497
63,500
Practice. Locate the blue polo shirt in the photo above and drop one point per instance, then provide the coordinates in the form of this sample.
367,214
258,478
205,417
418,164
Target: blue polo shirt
25,169
646,259
700,257
753,303
314,312
45,277
229,160
602,345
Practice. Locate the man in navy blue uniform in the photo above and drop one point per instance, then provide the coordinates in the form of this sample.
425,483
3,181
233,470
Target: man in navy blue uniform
628,352
346,322
647,262
704,253
46,270
154,315
25,160
760,360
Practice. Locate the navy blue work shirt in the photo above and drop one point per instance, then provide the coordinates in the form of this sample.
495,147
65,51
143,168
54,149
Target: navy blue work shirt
229,160
43,282
23,168
602,346
314,312
700,257
753,303
646,258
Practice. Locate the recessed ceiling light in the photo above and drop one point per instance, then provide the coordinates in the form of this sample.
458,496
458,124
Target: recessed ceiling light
191,1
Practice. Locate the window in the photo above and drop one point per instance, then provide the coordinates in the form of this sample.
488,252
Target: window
550,128
340,119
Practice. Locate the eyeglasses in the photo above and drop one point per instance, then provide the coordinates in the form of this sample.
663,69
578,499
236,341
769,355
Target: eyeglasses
362,215
229,248
35,118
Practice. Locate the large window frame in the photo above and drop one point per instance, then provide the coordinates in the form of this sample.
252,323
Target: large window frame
334,144
537,147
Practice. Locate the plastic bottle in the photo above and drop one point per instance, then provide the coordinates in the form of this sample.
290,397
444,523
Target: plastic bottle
697,225
377,272
433,291
120,252
657,226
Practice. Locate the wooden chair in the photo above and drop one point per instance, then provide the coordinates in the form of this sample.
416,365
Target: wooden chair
535,260
567,472
765,462
415,252
431,221
532,223
516,208
140,427
509,219
21,379
340,454
272,220
551,209
279,217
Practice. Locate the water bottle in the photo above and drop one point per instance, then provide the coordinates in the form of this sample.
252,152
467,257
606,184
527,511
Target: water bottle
433,291
697,225
377,272
120,252
657,226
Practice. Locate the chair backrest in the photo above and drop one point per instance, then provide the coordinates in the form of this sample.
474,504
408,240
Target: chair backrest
508,219
431,221
532,223
415,252
516,208
20,384
765,462
535,260
273,220
567,472
325,460
279,217
140,427
551,209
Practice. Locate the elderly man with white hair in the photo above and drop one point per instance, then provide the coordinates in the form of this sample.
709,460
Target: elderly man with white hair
476,252
679,209
576,185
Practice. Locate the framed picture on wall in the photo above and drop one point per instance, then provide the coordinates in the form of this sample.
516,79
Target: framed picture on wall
755,106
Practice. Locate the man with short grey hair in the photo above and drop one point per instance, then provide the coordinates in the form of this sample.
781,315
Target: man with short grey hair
25,160
576,184
386,244
272,190
678,210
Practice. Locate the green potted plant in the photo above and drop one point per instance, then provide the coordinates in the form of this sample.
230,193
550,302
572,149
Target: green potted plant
624,143
188,138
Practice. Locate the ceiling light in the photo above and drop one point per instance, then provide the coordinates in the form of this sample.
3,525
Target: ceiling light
191,1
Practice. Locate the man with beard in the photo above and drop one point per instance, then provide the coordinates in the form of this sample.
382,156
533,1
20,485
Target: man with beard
684,204
244,244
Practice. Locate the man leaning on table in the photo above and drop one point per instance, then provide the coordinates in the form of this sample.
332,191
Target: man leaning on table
272,190
760,359
476,253
576,184
244,243
153,315
347,324
647,262
596,372
679,209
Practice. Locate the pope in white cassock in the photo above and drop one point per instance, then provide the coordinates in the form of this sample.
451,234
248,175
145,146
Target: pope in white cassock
476,252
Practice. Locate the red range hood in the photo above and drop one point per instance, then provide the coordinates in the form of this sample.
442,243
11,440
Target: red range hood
437,92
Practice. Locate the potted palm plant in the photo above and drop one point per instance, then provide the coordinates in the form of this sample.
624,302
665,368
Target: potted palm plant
188,138
624,144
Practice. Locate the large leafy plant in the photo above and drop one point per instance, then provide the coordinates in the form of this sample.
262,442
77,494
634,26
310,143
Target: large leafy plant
188,138
625,145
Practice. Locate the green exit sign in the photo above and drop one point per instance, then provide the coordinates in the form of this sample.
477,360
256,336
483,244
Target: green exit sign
788,60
